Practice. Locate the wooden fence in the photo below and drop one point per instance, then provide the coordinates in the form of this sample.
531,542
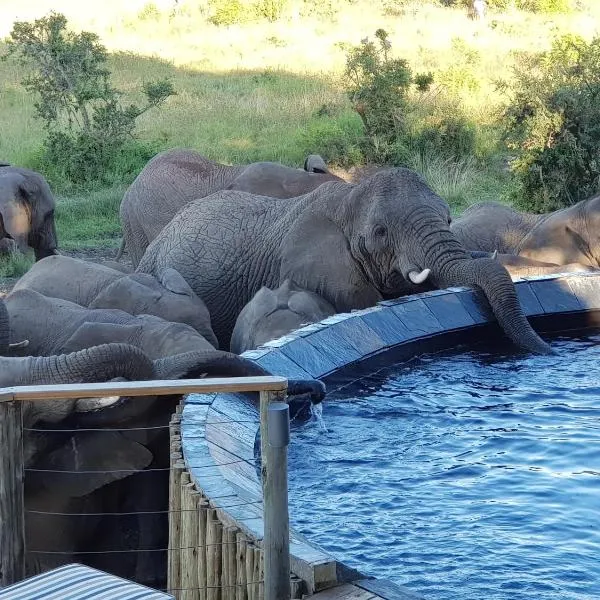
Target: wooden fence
235,566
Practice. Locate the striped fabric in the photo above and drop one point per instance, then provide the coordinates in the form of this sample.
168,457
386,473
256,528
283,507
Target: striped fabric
78,582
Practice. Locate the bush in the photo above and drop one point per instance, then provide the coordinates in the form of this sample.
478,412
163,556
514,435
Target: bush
553,122
228,12
378,87
270,9
86,125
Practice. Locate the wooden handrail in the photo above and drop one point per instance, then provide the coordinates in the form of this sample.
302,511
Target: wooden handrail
143,388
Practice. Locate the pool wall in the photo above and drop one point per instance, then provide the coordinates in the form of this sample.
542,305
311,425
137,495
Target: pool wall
221,429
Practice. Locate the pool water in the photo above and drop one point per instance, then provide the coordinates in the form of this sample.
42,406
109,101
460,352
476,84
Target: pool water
469,475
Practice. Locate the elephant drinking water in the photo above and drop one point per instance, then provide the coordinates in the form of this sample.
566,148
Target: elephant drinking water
351,244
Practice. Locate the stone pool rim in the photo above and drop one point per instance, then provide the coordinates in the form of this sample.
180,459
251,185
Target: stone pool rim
220,428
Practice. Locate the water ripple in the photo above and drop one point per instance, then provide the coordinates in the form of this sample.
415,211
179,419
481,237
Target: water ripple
468,476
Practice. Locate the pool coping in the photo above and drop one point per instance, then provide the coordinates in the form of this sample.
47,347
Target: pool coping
221,429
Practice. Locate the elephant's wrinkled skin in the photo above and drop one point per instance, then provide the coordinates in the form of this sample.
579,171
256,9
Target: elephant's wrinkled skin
26,212
351,244
570,236
273,313
175,177
97,286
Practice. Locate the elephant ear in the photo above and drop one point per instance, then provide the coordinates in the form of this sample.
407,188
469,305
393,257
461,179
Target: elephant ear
174,282
94,334
310,305
109,453
15,222
264,302
316,256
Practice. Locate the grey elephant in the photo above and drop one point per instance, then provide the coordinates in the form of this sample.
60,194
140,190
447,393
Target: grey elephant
175,177
26,212
273,313
97,286
570,236
351,244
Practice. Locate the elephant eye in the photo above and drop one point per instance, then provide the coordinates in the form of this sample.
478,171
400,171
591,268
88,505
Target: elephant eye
380,231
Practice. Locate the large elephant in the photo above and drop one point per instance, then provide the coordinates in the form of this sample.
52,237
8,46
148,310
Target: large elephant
273,313
570,236
97,286
175,177
26,212
351,244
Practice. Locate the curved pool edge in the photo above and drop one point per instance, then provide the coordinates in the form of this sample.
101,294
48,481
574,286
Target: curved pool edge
220,429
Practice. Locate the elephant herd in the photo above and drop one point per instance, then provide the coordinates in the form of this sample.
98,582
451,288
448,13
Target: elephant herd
226,258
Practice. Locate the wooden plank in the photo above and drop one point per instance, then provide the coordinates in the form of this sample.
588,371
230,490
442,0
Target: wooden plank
241,593
203,508
177,466
12,513
214,541
344,592
189,542
142,388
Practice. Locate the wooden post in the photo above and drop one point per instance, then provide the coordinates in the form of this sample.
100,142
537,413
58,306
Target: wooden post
174,562
189,542
214,541
275,500
228,570
250,571
203,508
241,593
12,513
258,574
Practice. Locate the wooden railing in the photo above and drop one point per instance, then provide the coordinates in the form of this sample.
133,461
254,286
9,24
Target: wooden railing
12,519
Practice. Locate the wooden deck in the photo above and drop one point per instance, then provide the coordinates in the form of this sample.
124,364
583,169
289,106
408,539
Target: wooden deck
367,589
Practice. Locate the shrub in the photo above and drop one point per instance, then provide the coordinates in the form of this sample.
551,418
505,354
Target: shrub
378,87
87,127
553,122
270,9
228,12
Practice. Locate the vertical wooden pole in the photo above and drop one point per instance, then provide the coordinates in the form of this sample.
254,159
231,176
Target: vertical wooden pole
12,513
174,520
228,570
214,541
241,593
203,508
250,571
275,504
258,575
189,542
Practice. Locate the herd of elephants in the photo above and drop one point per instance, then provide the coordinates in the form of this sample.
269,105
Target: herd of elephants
225,258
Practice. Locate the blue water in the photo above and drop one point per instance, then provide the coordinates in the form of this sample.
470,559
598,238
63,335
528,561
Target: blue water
467,476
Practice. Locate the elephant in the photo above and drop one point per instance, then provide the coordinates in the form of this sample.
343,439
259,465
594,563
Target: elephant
352,244
570,236
26,212
273,313
175,177
97,286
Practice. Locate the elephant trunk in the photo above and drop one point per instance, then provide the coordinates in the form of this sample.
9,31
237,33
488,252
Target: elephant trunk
217,363
99,363
495,282
451,265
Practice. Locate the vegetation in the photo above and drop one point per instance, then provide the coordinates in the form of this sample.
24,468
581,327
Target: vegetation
89,135
555,118
275,90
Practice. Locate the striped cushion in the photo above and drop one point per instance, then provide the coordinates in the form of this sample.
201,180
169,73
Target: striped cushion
78,582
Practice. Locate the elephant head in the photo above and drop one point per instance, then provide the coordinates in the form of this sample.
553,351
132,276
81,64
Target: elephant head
400,232
273,313
27,211
391,234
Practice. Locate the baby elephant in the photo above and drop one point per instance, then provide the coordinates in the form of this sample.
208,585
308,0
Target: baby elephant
273,313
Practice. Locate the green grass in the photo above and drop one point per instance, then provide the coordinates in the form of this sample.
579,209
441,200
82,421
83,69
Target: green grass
273,91
15,265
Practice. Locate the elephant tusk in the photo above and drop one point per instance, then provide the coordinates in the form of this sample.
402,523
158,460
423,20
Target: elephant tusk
16,345
417,278
494,255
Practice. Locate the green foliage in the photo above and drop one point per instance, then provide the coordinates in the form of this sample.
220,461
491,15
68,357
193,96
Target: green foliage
537,6
15,265
271,10
553,122
86,125
337,139
228,12
378,87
